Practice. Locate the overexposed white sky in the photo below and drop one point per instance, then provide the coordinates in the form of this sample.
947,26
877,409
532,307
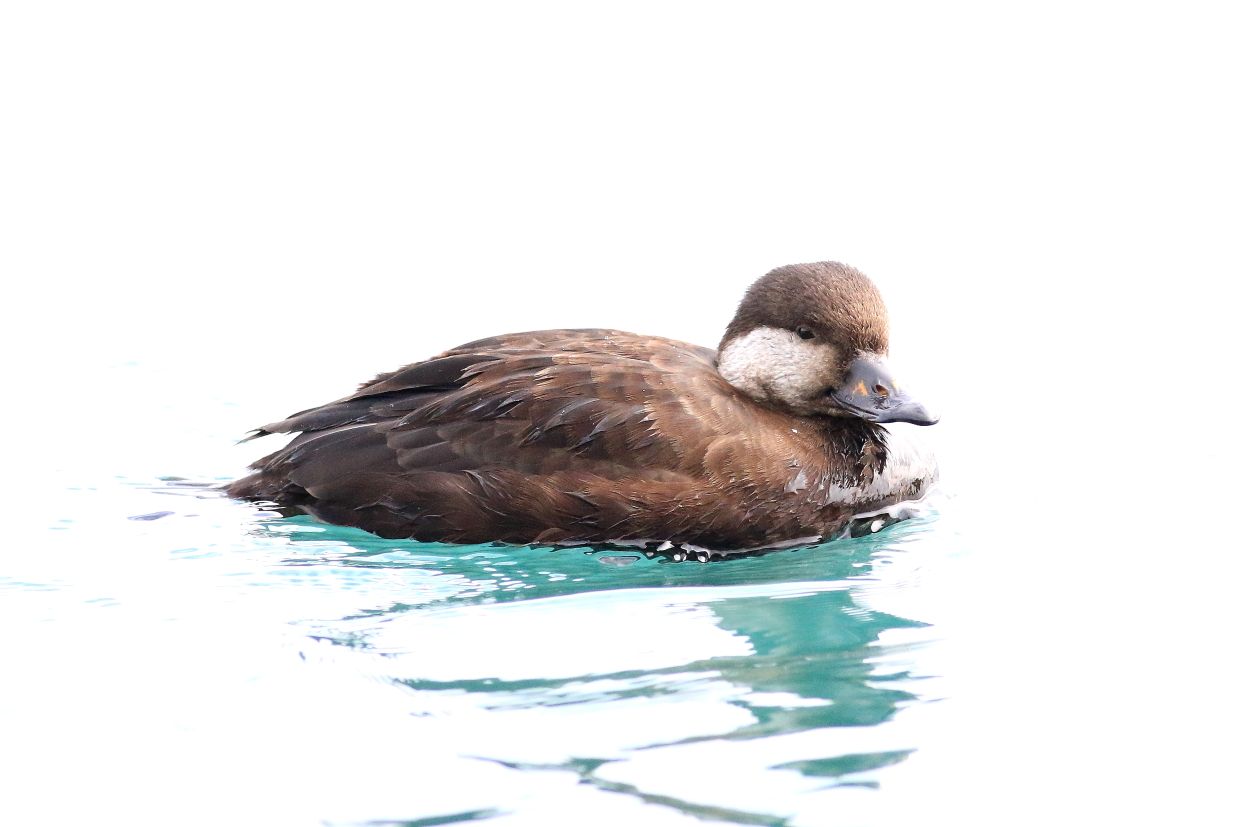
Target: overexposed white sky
271,202
295,182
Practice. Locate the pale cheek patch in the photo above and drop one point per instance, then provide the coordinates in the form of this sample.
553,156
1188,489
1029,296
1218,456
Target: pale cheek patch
769,363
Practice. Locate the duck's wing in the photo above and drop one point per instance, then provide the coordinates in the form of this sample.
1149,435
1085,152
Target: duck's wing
548,435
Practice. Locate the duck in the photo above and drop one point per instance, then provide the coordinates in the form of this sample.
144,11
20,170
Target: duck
777,437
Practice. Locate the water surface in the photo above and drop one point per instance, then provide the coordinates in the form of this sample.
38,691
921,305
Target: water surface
174,642
172,656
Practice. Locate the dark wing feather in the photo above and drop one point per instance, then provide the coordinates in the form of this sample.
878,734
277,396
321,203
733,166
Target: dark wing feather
552,435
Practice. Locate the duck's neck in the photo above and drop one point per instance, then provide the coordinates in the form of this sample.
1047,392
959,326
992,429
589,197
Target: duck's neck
858,448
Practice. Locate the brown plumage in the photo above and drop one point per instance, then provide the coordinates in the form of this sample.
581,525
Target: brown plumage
578,436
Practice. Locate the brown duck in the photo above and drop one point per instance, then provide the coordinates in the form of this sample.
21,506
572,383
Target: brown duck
601,436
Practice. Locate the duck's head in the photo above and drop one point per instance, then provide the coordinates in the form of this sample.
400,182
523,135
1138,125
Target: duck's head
812,338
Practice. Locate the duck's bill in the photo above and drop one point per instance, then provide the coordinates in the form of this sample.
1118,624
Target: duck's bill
870,392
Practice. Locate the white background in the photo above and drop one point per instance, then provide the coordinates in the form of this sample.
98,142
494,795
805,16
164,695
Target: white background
300,195
269,202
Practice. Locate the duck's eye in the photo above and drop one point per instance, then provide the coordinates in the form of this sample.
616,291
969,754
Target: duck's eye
804,332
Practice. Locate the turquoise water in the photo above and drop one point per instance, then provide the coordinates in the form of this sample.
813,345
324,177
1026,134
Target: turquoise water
172,656
605,677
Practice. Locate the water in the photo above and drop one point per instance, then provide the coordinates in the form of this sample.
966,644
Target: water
423,681
172,656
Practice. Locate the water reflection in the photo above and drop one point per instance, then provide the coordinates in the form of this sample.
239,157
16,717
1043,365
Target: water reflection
816,647
562,661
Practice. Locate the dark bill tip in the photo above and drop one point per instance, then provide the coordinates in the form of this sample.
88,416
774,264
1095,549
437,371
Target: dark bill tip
911,412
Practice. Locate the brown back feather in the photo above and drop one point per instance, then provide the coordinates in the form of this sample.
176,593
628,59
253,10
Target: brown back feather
563,436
